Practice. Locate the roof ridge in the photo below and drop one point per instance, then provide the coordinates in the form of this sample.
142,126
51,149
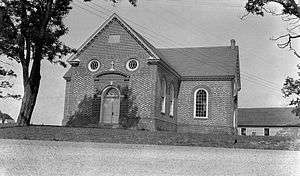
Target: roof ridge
194,47
267,108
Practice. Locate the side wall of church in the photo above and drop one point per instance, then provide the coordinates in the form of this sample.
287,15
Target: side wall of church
220,107
164,121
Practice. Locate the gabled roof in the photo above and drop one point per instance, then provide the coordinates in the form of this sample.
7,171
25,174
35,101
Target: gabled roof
202,61
267,117
143,41
198,62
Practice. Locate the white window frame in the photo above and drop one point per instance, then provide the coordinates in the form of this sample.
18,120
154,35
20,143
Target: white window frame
172,95
195,98
127,64
164,96
89,65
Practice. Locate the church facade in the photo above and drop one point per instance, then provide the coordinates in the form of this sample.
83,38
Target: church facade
118,79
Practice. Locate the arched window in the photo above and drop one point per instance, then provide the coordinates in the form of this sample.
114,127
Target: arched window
163,96
201,103
172,98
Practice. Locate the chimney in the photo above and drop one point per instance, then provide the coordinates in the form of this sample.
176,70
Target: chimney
232,44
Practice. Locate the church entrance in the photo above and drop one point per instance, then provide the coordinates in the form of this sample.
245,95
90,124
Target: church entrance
111,106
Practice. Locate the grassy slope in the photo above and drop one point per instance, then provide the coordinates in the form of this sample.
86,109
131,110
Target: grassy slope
145,137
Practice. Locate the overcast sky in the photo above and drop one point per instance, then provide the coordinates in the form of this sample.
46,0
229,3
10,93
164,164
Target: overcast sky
177,23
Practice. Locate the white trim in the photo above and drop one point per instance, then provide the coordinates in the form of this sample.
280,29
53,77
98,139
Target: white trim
163,104
89,65
172,91
127,64
195,93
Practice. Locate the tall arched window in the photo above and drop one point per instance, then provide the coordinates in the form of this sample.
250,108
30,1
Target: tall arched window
163,96
201,103
172,98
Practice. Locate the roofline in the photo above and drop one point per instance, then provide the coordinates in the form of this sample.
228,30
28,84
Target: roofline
195,47
114,15
79,50
267,108
271,126
208,78
164,65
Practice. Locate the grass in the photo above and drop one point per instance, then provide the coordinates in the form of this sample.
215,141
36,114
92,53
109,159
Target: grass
58,133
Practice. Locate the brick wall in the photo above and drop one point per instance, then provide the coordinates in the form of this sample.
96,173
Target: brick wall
141,82
145,86
220,107
66,105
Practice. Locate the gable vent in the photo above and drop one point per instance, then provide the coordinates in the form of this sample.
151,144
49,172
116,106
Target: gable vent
114,39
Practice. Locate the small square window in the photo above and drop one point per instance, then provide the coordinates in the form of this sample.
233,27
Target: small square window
114,39
243,131
267,131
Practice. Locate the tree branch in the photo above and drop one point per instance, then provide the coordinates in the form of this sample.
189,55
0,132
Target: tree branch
290,13
288,43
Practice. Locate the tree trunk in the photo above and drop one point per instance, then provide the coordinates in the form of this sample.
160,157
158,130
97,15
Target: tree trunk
28,102
31,88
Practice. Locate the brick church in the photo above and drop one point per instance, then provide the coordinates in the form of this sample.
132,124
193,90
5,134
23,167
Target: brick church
118,79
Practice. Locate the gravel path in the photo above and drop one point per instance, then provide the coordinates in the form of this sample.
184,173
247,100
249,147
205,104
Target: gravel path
24,157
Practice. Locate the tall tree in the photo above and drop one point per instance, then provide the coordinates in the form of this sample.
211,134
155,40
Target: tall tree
29,32
289,12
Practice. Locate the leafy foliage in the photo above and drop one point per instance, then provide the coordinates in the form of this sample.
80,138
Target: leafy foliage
88,111
258,7
133,2
291,88
82,116
6,84
129,111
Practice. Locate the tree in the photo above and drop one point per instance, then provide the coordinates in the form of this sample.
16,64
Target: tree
29,32
290,13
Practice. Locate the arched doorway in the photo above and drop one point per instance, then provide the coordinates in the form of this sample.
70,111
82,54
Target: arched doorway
110,106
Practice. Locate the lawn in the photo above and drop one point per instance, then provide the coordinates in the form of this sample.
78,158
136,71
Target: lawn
58,133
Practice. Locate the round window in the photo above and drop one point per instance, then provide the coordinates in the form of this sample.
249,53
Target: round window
94,65
132,64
